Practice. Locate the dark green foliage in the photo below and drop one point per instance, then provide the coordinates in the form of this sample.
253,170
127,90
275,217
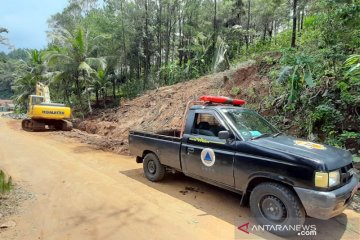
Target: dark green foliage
131,89
326,117
19,54
317,84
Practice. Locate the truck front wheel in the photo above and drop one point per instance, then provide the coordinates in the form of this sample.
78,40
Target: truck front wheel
275,204
153,169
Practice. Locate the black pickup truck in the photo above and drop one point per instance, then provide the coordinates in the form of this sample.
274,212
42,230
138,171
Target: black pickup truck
282,178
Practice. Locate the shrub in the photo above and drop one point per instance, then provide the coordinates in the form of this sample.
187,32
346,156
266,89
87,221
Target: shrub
5,183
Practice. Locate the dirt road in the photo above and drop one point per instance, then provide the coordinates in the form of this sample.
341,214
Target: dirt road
83,193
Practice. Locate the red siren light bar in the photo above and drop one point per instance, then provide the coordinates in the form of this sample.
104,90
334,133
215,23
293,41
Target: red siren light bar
224,100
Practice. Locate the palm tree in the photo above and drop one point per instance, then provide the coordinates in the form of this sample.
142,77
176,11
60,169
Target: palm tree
23,87
36,65
24,84
75,53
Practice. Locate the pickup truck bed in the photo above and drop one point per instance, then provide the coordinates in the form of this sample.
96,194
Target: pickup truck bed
165,144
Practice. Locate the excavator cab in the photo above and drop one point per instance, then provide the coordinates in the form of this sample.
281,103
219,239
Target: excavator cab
33,100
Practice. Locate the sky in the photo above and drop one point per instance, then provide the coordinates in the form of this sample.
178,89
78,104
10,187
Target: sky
26,21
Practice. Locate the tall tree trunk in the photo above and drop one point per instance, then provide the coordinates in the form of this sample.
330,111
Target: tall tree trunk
123,28
88,93
181,44
173,42
188,37
298,20
97,97
146,48
131,71
159,60
215,26
293,37
264,33
270,30
114,87
138,72
167,41
79,89
247,40
302,19
66,92
77,83
104,97
239,6
173,57
275,27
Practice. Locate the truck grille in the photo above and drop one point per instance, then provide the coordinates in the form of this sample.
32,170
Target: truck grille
346,173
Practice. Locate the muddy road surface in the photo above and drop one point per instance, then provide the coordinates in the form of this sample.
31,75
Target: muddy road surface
84,193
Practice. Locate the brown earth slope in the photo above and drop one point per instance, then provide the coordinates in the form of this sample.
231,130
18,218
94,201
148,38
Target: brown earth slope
163,108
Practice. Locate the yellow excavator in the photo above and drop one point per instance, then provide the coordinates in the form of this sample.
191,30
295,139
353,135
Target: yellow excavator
43,114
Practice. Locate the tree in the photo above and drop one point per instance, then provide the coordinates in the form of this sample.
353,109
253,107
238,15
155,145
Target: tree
9,70
27,75
248,26
76,55
146,45
19,54
293,36
4,40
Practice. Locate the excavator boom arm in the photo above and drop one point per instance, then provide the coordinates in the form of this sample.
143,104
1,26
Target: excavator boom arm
43,90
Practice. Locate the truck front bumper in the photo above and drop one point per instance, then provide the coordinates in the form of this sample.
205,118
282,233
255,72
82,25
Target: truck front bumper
325,205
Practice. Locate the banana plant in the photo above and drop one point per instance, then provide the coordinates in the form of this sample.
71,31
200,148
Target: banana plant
353,65
299,77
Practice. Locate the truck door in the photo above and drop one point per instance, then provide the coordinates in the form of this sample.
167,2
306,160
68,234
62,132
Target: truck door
203,154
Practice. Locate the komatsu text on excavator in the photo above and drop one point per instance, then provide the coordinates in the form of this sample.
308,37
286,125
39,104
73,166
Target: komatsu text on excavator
43,114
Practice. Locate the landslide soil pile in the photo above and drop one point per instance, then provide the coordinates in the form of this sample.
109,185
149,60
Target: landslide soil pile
163,108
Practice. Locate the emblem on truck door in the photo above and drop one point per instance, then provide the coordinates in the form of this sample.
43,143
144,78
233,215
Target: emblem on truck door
208,157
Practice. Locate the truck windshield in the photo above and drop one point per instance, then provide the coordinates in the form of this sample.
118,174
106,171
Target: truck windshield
249,124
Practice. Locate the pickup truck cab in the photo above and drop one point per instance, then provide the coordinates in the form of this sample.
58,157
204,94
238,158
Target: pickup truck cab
284,179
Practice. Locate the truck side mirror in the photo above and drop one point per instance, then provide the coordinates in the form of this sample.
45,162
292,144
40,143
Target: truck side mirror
224,134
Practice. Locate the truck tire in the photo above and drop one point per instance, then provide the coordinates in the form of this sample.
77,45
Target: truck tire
275,204
153,169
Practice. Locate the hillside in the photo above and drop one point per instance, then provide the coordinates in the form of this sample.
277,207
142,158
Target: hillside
163,108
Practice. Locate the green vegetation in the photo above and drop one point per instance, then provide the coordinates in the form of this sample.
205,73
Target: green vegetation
100,52
317,84
5,183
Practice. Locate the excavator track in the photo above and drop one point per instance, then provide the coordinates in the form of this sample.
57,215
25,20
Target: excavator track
33,125
66,125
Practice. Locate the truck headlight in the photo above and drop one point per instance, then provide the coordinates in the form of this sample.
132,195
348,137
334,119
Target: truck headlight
325,180
334,178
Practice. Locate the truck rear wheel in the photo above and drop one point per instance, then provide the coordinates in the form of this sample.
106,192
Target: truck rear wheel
275,204
153,169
